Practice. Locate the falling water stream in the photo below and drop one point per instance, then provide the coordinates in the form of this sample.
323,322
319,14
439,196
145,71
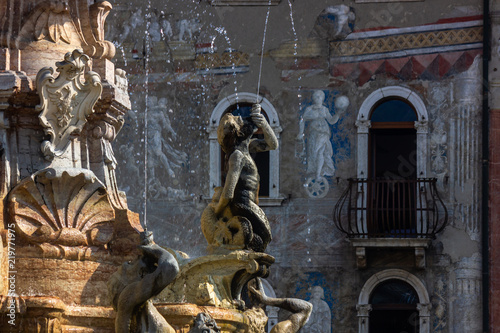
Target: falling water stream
146,68
262,51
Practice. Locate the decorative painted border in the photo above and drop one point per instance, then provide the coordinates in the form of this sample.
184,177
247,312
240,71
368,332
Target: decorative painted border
403,44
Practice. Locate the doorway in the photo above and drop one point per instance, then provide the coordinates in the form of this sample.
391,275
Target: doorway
392,182
394,304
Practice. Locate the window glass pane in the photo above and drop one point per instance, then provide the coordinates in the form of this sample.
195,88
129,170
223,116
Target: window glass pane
394,292
393,110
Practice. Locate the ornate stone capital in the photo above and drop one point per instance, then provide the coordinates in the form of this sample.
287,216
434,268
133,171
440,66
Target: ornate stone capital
363,310
424,310
66,102
363,125
422,127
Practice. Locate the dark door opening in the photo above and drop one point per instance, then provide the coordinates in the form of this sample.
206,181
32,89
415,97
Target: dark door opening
394,308
394,321
392,184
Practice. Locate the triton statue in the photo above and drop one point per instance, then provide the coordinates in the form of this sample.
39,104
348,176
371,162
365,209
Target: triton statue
233,219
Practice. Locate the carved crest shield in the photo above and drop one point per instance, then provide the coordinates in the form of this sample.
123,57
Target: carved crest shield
66,101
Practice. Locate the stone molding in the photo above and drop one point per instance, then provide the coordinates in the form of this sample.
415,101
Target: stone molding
422,131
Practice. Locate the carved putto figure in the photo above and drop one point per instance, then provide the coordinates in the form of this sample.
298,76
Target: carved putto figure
135,283
335,22
188,27
300,310
233,219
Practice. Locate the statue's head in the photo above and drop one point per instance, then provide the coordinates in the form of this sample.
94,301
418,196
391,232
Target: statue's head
318,97
232,130
318,293
204,323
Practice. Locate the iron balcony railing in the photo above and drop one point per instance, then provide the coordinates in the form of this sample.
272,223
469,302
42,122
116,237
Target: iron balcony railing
382,208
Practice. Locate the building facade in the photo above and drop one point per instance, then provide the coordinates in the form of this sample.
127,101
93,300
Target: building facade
376,195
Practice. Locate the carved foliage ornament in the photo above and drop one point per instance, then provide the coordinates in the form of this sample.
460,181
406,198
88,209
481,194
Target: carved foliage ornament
63,207
66,101
52,21
69,22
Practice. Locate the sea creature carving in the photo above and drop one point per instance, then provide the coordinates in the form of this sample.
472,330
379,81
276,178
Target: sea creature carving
65,102
136,282
68,207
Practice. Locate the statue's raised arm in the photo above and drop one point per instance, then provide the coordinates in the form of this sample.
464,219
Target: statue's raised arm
270,142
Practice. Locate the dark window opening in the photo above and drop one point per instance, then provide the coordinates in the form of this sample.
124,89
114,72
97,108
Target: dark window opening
393,170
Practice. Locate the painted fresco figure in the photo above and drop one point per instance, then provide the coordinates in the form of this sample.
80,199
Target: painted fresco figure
319,148
300,310
135,283
163,156
233,219
321,316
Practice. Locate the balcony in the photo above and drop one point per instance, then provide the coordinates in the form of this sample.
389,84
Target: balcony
390,213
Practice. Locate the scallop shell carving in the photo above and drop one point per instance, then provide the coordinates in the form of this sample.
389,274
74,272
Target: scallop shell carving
62,206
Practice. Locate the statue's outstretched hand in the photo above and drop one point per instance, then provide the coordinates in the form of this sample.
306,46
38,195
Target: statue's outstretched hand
258,293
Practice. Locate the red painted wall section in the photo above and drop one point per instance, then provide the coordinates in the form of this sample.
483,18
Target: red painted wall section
494,204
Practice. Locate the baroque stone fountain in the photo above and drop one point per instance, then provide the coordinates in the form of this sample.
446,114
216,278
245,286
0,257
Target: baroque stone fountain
74,258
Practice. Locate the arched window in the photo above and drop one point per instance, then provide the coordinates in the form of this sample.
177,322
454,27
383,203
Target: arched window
393,301
394,308
392,155
267,162
392,105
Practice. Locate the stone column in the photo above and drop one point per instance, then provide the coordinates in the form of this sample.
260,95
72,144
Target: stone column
363,317
424,314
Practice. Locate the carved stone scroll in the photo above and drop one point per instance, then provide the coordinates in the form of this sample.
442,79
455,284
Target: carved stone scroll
66,102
